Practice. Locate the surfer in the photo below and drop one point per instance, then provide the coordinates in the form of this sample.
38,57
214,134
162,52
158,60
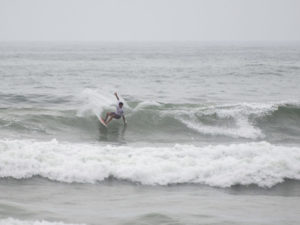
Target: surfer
116,115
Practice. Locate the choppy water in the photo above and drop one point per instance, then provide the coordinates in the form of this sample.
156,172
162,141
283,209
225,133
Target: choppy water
206,121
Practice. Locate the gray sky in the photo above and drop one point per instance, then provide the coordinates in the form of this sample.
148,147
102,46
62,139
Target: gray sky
150,20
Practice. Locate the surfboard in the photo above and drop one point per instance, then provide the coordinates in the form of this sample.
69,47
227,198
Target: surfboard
102,121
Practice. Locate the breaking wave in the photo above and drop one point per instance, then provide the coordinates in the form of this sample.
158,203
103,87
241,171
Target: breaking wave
258,163
244,120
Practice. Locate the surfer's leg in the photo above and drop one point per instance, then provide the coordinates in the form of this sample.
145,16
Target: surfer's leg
107,114
110,118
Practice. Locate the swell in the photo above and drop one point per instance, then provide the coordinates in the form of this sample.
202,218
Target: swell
258,163
42,120
245,120
13,221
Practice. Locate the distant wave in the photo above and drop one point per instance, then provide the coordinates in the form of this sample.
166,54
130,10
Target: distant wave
11,221
259,163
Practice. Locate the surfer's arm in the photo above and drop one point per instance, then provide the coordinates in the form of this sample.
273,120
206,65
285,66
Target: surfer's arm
117,96
124,120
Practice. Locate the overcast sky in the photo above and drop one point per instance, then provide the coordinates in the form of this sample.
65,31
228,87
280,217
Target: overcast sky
150,20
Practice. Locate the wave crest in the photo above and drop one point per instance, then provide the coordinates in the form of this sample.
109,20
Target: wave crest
245,120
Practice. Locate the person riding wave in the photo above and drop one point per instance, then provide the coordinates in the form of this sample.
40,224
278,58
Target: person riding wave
117,114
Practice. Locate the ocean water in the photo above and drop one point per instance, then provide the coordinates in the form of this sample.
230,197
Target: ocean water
213,133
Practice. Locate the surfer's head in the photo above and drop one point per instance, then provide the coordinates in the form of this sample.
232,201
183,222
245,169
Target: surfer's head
120,104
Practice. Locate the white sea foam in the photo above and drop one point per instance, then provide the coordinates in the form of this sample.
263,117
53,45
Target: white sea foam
258,163
239,113
11,221
143,105
95,101
243,129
